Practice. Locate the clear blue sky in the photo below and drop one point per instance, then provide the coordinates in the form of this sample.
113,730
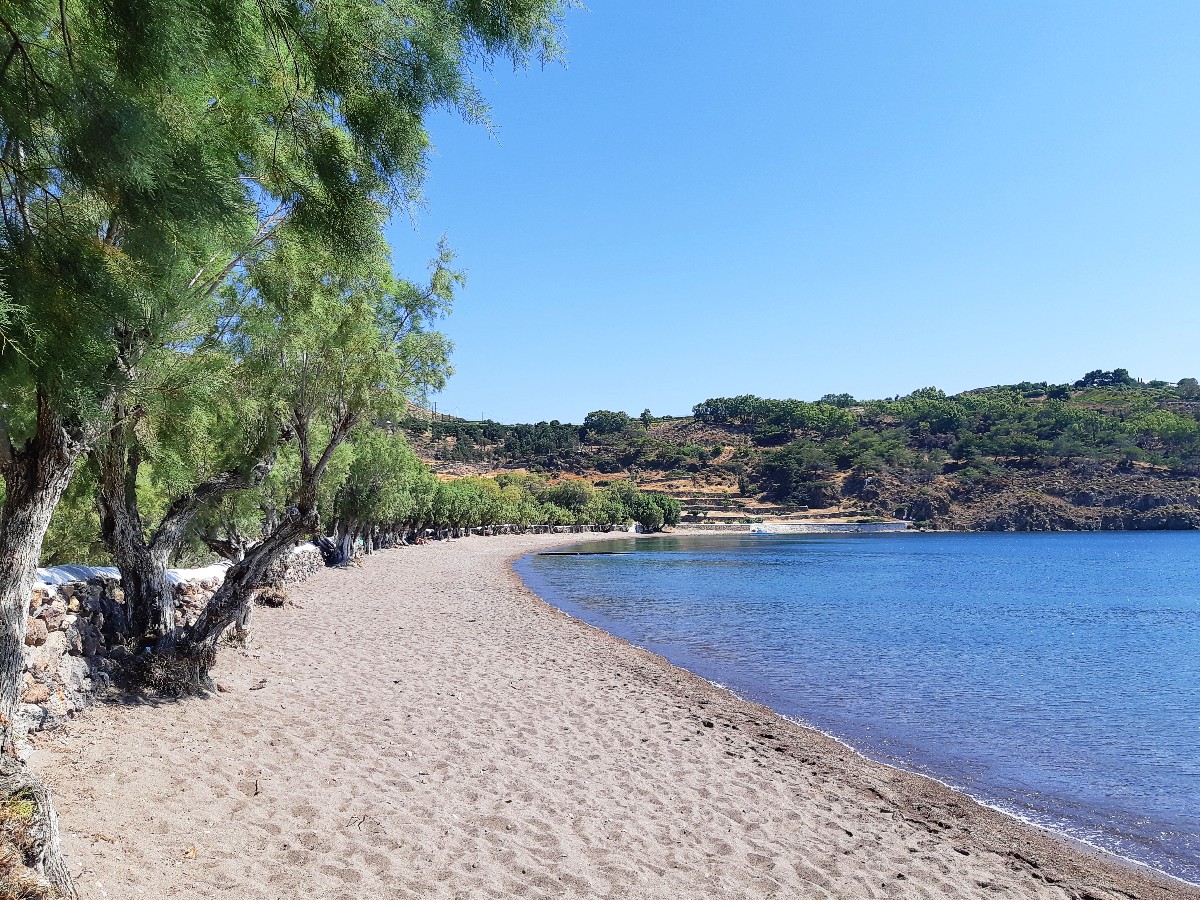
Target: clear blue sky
790,199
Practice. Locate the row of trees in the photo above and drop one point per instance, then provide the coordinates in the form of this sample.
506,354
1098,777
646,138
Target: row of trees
550,444
378,493
769,416
193,277
1109,417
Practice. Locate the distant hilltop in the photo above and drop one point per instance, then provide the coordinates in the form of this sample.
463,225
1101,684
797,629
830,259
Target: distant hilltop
1106,452
422,413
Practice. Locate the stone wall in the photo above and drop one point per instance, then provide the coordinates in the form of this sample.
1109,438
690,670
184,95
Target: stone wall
68,658
828,527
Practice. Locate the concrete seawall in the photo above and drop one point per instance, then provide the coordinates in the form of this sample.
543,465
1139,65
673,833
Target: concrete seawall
794,527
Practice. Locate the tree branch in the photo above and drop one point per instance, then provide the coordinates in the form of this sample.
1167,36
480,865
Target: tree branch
268,228
180,513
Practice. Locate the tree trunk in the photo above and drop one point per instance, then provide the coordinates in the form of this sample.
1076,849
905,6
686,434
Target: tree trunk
232,547
35,477
345,544
143,562
241,581
243,622
148,598
17,782
194,654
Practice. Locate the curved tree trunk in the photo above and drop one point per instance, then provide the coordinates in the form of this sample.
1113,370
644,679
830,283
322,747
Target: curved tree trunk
233,547
35,478
47,860
195,649
143,561
193,655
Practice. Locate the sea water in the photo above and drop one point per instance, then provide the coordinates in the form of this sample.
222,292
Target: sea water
1055,676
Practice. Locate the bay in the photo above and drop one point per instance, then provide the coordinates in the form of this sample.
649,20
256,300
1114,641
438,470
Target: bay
1055,676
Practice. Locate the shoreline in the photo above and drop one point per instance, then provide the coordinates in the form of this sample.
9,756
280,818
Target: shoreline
1054,832
416,727
1080,845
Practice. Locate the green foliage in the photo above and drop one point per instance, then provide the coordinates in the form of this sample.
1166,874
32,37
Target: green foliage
605,422
572,494
328,340
1101,378
148,150
799,473
74,533
842,401
192,198
382,481
383,484
771,417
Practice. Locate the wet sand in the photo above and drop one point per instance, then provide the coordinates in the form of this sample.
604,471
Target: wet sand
422,726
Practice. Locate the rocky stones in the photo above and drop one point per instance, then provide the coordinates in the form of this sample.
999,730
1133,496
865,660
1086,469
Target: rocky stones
1059,496
36,633
90,642
36,693
53,614
41,595
297,566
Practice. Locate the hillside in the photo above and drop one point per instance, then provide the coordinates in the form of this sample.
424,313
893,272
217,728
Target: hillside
1104,453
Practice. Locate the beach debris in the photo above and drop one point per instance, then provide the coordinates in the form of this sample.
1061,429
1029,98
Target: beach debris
191,852
259,685
706,723
368,823
271,596
223,688
250,788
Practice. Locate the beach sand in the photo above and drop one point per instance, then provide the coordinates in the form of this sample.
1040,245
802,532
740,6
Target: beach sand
422,726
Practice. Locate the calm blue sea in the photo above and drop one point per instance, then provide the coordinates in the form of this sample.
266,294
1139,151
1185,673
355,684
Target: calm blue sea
1056,676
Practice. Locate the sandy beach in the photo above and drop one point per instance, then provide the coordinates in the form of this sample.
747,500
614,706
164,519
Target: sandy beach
422,726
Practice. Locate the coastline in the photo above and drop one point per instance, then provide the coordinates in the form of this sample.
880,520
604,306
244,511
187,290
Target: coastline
989,767
1114,865
424,725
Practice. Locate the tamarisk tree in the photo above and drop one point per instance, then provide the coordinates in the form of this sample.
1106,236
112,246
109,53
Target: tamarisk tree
112,189
333,350
334,137
151,149
380,493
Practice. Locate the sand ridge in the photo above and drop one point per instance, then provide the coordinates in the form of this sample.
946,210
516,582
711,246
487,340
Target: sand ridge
423,727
